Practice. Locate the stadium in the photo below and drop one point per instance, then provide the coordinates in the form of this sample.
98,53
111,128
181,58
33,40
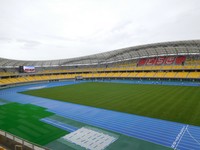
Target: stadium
141,97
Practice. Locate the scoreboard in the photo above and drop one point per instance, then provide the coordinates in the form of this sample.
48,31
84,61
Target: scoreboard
26,69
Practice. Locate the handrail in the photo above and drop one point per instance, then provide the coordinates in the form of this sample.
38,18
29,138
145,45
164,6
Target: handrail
22,141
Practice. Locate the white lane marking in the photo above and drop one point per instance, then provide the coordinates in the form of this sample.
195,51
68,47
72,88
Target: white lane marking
193,137
179,137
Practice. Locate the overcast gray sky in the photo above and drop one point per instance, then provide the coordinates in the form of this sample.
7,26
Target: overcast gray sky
56,29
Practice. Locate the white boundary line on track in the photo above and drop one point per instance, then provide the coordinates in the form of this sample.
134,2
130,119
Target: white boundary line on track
57,125
179,137
193,137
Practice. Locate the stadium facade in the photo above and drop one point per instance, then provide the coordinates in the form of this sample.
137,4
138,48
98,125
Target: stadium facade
161,62
178,60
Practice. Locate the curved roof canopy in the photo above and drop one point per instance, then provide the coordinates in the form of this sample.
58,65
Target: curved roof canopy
150,50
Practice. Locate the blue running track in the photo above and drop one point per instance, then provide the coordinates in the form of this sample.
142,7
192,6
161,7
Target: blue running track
170,134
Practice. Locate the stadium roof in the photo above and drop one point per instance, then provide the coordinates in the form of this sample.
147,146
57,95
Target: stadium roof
191,47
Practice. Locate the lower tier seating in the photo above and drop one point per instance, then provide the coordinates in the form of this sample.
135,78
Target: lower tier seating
23,79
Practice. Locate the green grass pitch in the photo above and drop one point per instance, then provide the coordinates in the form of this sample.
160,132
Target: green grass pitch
174,103
22,120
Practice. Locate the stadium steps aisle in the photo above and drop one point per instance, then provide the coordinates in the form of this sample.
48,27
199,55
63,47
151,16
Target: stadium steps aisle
170,134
